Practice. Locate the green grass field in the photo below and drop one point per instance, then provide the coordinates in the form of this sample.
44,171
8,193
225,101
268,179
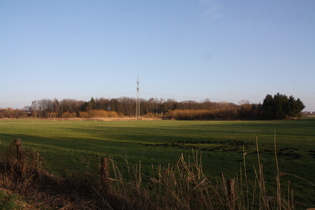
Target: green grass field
74,146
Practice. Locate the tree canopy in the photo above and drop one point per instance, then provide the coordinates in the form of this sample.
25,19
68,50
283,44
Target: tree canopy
274,107
281,107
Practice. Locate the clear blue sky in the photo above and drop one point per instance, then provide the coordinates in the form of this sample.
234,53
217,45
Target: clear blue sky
221,50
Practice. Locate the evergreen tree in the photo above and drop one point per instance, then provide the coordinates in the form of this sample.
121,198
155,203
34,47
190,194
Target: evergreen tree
281,107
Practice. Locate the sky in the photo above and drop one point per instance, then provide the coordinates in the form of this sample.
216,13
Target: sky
221,50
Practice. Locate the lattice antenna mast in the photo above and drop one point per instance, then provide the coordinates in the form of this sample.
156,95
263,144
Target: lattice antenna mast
138,99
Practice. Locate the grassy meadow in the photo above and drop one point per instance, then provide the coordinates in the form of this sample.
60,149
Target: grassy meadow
77,146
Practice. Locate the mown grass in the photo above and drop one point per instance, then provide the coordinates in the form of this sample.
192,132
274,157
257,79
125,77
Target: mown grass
73,146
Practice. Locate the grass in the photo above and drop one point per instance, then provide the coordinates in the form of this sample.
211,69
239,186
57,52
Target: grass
8,201
72,146
179,186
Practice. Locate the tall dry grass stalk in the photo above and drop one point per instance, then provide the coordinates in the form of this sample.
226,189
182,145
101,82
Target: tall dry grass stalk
278,195
183,185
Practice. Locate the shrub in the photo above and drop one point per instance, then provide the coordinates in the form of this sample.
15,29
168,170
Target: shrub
84,114
98,113
69,114
53,114
191,114
151,115
228,113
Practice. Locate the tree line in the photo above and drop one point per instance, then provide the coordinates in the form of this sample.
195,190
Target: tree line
278,106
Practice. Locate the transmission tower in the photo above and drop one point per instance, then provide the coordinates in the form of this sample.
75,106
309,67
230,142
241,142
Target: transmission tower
138,99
